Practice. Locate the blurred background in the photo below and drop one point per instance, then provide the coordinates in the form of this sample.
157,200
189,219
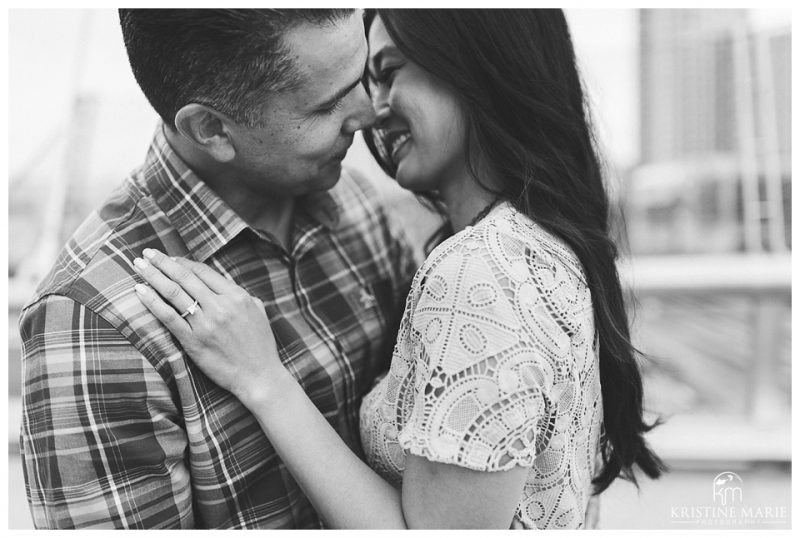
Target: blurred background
693,112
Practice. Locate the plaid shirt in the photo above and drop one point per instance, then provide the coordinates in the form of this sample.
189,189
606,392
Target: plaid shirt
120,429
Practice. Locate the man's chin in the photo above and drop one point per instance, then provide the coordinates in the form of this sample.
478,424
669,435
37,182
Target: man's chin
329,176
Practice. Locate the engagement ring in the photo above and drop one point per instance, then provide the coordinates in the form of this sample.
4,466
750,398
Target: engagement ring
191,310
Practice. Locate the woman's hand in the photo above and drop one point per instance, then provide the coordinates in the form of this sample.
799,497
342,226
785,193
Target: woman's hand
223,328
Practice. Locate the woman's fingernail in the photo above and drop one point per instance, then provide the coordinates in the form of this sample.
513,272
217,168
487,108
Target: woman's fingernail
141,289
140,263
149,253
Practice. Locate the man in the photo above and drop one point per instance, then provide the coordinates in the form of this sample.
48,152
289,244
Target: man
259,107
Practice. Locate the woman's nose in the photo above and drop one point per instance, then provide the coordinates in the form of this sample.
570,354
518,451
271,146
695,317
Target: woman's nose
380,103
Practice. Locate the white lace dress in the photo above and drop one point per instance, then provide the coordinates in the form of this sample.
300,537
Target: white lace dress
496,365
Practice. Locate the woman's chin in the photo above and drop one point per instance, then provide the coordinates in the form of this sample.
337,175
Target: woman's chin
408,179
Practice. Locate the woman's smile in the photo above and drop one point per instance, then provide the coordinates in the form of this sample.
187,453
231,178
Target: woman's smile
398,144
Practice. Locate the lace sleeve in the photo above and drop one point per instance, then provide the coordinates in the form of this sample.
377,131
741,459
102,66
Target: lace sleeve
483,337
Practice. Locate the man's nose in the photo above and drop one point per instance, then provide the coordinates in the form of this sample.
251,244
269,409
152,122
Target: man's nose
364,115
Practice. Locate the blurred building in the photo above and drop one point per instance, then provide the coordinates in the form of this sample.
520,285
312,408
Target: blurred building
715,108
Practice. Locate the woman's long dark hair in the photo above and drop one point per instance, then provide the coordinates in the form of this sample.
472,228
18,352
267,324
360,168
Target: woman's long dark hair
515,74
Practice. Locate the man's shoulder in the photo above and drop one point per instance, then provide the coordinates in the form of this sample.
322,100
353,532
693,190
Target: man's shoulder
90,288
99,254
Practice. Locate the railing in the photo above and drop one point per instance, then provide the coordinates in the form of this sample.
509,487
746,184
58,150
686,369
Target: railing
764,281
751,274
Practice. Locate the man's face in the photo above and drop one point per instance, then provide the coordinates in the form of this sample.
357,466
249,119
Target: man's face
307,131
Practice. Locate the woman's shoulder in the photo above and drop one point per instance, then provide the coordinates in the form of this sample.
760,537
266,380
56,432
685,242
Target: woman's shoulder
506,244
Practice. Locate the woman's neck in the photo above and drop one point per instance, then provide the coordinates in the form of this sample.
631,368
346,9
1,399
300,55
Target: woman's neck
465,200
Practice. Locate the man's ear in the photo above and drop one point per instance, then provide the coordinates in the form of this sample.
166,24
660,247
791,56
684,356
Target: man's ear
207,130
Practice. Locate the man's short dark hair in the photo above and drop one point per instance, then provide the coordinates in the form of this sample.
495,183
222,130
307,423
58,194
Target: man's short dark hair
229,59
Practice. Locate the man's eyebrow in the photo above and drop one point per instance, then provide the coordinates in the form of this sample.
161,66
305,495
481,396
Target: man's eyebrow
340,94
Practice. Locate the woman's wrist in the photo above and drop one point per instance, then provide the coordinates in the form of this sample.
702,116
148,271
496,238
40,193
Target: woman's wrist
265,389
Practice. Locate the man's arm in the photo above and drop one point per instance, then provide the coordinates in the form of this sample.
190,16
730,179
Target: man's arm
102,441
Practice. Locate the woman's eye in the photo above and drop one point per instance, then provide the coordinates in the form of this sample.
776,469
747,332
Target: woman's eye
386,74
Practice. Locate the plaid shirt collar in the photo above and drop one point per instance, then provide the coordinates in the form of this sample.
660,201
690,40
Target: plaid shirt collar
203,220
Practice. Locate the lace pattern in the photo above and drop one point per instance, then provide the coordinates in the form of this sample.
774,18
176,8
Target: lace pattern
495,366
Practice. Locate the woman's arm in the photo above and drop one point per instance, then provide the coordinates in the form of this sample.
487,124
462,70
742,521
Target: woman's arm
348,494
229,339
343,489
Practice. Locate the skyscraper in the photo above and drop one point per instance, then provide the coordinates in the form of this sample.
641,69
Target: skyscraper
686,66
715,133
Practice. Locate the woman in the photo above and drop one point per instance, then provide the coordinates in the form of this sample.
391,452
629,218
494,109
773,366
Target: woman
513,393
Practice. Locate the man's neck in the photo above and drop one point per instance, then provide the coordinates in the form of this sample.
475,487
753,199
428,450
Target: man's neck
268,214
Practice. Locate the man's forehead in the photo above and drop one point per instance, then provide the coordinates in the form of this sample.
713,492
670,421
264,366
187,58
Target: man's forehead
327,59
331,47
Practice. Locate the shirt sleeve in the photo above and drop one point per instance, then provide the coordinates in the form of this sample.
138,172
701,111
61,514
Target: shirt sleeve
102,442
481,384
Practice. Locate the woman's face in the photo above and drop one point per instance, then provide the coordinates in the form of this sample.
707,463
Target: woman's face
421,122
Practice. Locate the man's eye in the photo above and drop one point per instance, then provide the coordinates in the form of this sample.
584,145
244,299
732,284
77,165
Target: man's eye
331,109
